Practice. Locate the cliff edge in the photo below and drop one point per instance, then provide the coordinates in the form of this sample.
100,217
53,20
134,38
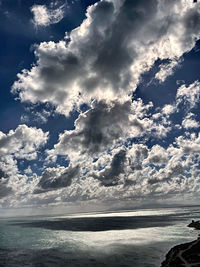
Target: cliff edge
187,254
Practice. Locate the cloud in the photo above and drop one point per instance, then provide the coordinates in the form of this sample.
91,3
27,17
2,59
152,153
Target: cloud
44,16
157,155
168,109
125,173
37,116
131,36
120,148
102,127
56,178
21,143
190,144
110,176
188,95
189,122
146,172
4,189
167,70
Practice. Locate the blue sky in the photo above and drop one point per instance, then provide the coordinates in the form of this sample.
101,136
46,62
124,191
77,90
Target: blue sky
99,103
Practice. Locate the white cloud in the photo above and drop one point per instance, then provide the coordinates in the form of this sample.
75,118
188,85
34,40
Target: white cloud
131,36
189,145
167,70
28,170
21,143
189,95
44,16
158,155
37,116
103,127
168,109
78,68
123,174
189,122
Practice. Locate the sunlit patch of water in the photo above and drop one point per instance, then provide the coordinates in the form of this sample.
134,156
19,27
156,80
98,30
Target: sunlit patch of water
132,247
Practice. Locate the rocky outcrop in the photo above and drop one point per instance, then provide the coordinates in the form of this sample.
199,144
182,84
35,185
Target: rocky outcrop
195,225
187,255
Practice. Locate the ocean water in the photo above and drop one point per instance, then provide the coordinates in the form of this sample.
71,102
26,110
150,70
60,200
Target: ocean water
133,238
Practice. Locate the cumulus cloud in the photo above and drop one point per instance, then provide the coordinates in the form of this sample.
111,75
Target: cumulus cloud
4,189
189,145
78,68
157,155
125,173
110,176
167,70
57,178
21,143
147,172
189,122
44,16
102,127
188,95
112,149
168,109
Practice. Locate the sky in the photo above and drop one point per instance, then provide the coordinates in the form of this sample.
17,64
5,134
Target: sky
99,104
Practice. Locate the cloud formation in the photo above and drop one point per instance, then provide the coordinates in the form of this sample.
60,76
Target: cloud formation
56,178
44,16
190,122
4,189
20,144
23,142
110,176
78,68
122,148
188,95
102,127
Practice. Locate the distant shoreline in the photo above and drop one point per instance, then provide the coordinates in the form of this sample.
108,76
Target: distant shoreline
16,216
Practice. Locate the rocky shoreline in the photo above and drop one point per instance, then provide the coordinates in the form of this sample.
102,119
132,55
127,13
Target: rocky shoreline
187,254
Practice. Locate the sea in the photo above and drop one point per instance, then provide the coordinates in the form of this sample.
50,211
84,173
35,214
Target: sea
139,238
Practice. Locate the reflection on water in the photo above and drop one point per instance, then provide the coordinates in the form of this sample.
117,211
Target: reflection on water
139,238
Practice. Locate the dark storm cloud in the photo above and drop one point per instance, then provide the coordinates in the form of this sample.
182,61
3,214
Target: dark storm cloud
62,73
110,176
52,181
113,56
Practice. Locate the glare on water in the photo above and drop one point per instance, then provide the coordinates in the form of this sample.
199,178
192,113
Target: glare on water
136,245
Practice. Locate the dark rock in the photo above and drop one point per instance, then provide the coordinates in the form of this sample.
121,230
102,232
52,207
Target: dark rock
195,225
188,253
